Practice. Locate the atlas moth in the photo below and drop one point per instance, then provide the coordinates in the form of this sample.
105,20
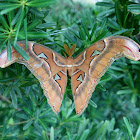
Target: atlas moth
85,70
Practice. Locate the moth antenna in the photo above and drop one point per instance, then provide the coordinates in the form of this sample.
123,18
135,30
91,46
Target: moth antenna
72,50
67,49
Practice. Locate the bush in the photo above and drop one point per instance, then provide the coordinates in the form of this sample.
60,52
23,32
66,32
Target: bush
24,111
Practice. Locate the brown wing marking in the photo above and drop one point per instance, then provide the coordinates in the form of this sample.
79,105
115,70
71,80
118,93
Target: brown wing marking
77,79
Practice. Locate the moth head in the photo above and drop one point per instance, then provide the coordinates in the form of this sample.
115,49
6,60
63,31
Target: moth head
3,58
71,51
131,50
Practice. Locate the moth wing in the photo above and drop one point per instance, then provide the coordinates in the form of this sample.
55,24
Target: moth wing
47,66
52,74
81,84
88,68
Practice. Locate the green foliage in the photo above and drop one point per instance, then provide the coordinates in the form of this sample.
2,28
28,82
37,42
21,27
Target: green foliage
15,15
121,17
24,111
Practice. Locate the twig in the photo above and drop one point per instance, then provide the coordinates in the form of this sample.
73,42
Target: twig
4,99
18,123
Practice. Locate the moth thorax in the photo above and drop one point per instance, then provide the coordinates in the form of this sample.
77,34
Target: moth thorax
69,61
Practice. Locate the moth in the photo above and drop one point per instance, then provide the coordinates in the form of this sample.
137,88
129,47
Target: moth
85,70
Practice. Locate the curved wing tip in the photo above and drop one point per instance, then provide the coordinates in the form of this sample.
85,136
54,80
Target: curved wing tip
80,112
56,112
53,109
